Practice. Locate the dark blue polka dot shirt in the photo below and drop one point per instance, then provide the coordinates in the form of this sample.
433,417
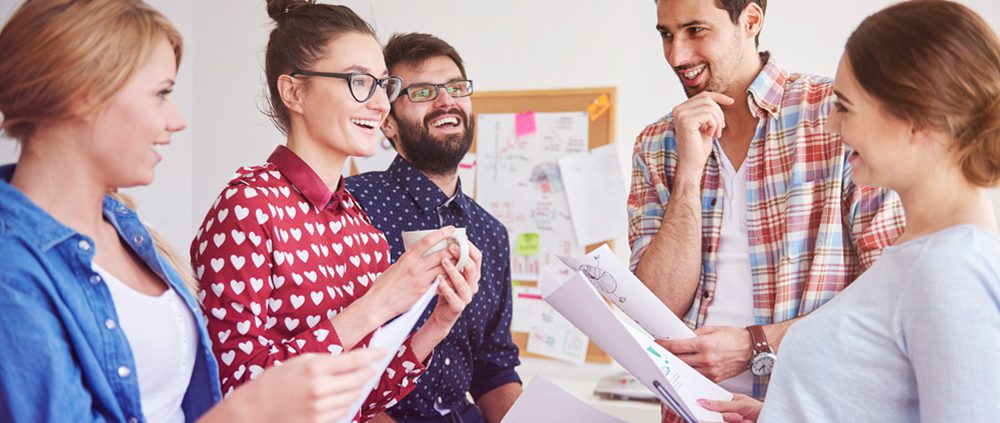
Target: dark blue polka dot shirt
478,354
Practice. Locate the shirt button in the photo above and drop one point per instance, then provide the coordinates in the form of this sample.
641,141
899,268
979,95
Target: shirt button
124,371
83,245
706,295
110,324
133,420
138,238
440,400
95,279
122,210
447,361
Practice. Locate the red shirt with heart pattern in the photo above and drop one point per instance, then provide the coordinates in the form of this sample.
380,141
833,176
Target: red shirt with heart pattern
277,257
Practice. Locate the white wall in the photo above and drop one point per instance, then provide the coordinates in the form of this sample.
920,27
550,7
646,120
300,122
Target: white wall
516,44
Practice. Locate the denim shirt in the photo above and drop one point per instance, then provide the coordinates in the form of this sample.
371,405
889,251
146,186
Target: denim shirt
63,355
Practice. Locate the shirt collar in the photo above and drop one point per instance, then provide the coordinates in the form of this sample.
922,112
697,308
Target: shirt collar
23,217
305,179
768,88
427,194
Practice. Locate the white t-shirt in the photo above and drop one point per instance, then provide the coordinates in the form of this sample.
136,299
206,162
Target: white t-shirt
733,302
162,334
915,338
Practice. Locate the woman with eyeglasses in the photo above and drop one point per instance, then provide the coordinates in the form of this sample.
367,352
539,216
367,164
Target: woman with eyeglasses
915,337
100,321
287,260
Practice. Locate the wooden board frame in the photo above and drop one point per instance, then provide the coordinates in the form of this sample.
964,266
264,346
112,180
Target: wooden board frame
601,132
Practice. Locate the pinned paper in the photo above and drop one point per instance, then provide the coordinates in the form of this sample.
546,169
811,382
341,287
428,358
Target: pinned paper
598,107
524,124
528,307
467,174
526,244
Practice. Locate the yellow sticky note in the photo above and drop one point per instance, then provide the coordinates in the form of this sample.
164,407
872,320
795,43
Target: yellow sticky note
526,244
598,107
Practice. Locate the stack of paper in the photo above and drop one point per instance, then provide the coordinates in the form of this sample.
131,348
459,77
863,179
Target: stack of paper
677,384
615,282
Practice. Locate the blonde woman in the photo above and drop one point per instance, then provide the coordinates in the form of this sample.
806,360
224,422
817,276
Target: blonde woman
99,324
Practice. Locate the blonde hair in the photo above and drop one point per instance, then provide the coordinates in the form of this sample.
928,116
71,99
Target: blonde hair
57,53
164,249
64,59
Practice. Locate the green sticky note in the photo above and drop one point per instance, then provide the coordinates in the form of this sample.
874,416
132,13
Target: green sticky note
526,244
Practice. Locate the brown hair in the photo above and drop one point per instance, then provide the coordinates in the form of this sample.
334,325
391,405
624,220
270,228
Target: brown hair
735,8
936,64
57,52
414,47
303,30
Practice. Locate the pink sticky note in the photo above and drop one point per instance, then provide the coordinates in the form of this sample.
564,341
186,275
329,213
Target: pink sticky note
524,123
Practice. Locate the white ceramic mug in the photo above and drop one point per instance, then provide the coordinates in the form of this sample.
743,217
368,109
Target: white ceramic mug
457,238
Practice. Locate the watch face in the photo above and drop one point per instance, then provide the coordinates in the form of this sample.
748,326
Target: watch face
762,363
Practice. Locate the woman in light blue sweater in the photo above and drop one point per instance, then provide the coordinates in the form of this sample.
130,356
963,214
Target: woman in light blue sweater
915,338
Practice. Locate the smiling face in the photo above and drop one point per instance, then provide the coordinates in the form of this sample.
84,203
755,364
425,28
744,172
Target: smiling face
884,153
706,50
326,113
139,119
433,135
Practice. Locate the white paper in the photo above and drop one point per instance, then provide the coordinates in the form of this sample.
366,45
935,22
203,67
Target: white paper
389,338
467,174
543,401
596,192
677,384
519,183
615,282
527,308
383,157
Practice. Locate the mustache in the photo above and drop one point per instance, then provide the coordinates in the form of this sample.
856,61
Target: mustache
452,111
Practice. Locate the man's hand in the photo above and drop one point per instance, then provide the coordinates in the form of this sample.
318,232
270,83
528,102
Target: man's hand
718,352
697,122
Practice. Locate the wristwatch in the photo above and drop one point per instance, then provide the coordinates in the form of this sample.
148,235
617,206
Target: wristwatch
763,357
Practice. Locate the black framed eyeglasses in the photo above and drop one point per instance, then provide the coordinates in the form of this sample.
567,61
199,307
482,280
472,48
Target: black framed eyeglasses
418,93
362,85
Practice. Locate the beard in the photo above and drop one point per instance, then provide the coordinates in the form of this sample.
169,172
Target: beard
430,154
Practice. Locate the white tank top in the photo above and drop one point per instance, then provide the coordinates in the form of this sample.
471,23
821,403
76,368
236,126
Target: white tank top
163,337
733,302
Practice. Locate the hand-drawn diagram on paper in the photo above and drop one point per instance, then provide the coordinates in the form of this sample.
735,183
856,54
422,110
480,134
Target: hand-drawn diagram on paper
519,183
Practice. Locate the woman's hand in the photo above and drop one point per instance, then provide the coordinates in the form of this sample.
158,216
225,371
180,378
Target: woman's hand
403,283
455,291
307,388
741,409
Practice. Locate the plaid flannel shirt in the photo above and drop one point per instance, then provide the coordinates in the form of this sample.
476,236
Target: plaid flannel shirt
811,230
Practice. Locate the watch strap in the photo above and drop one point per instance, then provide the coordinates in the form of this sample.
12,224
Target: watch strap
758,340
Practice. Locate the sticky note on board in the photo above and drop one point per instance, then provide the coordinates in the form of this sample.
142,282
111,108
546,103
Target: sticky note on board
524,124
526,244
598,107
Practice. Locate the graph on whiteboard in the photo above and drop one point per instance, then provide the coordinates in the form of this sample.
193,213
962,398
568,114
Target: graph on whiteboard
518,181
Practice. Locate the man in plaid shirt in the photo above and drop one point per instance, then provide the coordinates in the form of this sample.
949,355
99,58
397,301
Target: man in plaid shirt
742,213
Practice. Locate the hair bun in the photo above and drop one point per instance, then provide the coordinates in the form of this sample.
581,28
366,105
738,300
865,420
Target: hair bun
279,9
